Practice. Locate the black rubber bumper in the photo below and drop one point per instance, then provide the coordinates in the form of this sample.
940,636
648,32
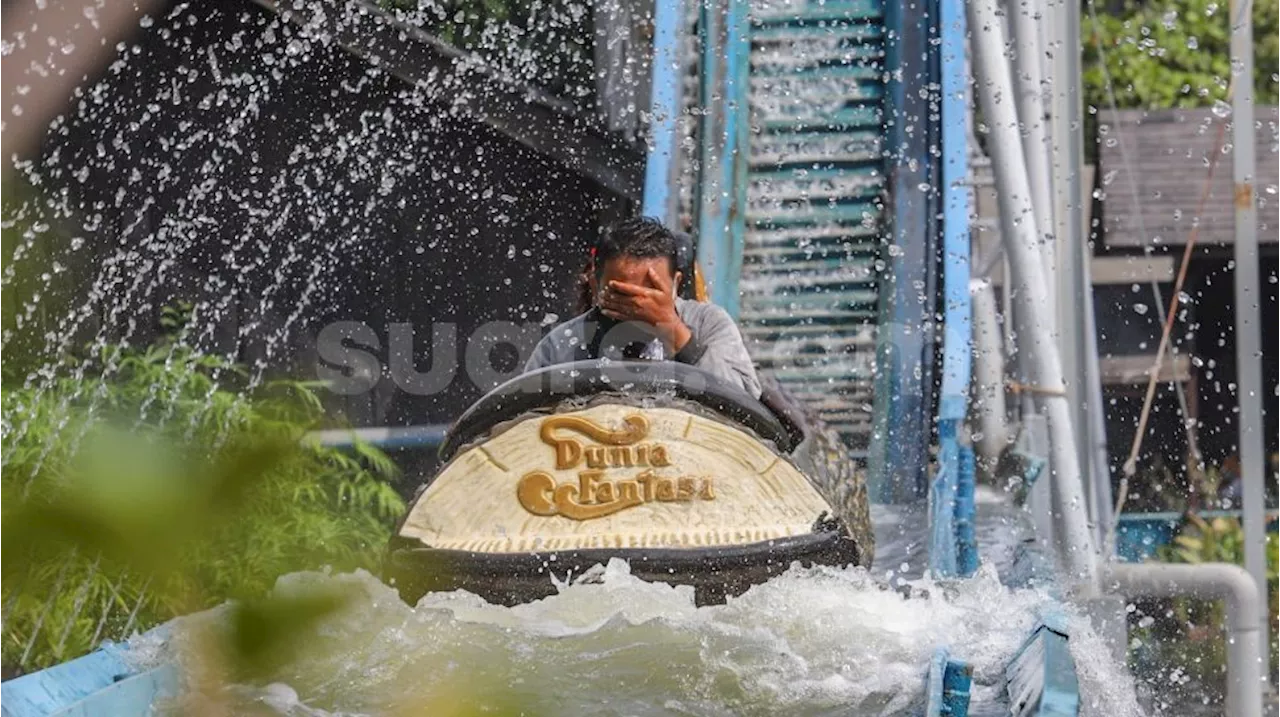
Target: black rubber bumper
514,578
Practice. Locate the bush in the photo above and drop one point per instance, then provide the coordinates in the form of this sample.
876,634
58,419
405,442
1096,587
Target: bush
1192,638
144,484
1174,53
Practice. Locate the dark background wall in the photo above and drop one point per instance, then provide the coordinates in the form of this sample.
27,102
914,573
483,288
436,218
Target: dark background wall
1204,332
1211,281
283,185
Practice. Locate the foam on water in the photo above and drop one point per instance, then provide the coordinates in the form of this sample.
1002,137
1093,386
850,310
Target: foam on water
812,641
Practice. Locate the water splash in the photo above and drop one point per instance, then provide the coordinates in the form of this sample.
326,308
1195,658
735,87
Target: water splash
812,641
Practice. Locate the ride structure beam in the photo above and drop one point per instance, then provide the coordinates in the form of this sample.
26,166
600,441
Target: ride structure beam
952,490
903,404
1248,319
546,124
722,196
1075,546
661,169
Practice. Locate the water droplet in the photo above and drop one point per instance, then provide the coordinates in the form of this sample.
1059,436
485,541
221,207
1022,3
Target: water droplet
1221,109
1140,308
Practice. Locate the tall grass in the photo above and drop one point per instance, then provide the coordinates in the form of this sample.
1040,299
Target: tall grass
144,484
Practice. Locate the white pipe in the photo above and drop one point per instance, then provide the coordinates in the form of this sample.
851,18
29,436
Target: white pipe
1248,320
1035,339
988,374
1244,631
1070,280
1101,463
1027,17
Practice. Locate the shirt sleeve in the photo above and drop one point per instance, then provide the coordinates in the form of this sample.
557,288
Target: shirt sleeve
543,355
723,351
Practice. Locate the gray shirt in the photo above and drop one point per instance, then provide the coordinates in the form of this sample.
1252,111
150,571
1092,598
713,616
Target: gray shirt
725,355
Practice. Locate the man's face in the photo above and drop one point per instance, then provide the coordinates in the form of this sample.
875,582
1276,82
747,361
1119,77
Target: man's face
631,270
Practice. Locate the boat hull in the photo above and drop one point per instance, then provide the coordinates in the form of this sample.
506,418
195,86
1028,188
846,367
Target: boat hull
514,578
704,487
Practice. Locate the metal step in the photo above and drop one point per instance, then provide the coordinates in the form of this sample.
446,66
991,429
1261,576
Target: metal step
792,213
822,148
807,237
792,11
813,185
816,178
843,119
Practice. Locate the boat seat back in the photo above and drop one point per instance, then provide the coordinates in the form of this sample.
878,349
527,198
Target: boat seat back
548,386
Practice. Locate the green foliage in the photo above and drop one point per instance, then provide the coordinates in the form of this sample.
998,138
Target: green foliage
144,484
45,272
1196,641
1174,53
547,44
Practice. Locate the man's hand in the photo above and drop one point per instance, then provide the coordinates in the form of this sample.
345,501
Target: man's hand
655,306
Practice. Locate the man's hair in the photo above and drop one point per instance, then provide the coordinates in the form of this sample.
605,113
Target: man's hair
639,238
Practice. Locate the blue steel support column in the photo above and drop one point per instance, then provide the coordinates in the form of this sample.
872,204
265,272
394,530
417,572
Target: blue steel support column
957,312
722,210
660,165
901,435
954,479
966,535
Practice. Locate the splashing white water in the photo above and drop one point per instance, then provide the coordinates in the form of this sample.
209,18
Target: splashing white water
812,641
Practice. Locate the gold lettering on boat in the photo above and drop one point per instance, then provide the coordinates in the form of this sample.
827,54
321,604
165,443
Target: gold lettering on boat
595,495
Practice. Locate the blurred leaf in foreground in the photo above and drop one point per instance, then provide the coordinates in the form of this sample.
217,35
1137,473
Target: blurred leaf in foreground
146,484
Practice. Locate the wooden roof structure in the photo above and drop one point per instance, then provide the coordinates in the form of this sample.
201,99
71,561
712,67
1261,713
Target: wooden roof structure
1154,167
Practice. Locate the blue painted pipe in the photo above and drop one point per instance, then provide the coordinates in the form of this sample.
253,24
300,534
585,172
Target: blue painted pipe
659,168
957,349
952,491
947,686
966,539
722,190
905,340
943,553
424,436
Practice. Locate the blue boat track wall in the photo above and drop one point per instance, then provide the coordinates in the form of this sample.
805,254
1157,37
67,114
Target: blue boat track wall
905,341
101,683
661,171
721,201
953,548
947,686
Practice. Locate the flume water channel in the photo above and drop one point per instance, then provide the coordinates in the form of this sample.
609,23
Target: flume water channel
811,642
242,161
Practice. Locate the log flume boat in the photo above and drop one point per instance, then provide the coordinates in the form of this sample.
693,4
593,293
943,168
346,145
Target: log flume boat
689,479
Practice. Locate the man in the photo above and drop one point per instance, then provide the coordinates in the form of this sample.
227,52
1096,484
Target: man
637,315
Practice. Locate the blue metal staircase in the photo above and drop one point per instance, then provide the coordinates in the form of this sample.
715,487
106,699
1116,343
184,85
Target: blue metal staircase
815,203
